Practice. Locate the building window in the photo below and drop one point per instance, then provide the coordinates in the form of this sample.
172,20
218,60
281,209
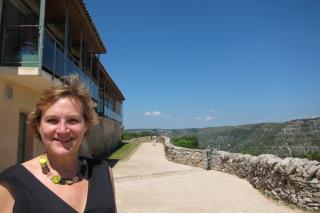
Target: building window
19,34
8,92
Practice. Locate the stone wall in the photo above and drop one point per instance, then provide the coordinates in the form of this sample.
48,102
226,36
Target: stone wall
293,180
191,157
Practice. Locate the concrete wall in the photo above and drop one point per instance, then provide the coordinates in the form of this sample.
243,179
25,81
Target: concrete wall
102,139
293,180
23,101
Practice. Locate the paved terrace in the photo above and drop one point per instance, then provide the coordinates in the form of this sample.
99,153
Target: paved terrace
148,183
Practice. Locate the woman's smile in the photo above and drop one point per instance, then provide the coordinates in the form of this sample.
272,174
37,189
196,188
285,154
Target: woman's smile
63,140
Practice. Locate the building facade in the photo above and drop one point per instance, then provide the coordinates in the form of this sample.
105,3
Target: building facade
42,41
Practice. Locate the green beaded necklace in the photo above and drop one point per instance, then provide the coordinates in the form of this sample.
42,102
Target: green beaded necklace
56,179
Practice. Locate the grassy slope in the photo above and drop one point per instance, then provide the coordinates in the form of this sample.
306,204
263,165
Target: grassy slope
124,152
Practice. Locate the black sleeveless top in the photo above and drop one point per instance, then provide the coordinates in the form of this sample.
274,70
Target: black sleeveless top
33,196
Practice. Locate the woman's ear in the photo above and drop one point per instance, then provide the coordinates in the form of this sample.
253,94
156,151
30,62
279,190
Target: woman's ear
38,128
86,129
39,132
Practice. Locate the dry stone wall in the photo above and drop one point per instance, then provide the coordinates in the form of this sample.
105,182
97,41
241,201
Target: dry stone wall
294,180
191,157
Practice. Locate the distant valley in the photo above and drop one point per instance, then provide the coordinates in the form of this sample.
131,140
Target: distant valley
294,138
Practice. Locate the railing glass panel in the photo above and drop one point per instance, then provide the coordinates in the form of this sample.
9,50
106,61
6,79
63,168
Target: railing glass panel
108,112
49,47
55,60
20,45
59,60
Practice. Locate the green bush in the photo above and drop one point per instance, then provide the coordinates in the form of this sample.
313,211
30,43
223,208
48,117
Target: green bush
128,135
313,155
144,134
186,142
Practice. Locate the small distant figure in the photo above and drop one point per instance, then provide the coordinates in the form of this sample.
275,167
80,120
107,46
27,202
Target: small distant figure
154,139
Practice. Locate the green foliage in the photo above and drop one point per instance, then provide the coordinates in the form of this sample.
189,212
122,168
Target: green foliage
313,155
126,135
186,141
144,134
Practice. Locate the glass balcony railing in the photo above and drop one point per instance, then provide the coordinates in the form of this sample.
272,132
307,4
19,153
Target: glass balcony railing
108,112
20,45
55,60
20,48
105,108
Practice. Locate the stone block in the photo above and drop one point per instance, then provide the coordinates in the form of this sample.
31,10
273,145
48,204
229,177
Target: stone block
314,204
307,199
318,174
316,199
291,169
314,181
312,171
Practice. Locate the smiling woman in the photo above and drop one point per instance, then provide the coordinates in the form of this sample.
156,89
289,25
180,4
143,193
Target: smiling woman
62,126
59,180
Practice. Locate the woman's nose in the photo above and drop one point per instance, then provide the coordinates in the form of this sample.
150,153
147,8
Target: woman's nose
62,127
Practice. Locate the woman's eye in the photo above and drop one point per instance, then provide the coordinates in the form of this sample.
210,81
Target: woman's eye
52,121
73,121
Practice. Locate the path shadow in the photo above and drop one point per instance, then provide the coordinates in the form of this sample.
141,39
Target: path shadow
112,162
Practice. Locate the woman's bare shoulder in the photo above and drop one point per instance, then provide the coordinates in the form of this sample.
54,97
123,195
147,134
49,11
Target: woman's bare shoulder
6,198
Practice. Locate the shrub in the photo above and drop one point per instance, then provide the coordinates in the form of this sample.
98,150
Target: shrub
186,142
144,134
313,155
128,135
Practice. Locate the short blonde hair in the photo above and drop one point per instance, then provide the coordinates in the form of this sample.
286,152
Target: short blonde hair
74,89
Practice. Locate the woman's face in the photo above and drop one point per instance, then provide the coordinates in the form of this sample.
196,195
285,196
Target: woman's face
62,126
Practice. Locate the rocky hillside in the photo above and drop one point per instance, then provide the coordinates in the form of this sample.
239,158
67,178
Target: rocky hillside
293,138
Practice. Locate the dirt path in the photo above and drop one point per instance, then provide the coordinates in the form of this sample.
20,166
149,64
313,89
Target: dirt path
148,183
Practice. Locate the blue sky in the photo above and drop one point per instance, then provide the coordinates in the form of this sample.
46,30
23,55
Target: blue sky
206,63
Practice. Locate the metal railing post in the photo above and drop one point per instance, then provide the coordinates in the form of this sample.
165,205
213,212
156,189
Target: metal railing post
54,59
3,43
41,34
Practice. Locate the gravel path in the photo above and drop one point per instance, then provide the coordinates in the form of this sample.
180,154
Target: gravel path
148,183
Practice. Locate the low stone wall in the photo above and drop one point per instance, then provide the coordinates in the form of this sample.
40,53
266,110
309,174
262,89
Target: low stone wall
294,180
145,139
191,157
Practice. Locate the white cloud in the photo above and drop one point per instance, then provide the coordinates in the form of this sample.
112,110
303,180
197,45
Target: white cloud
208,118
154,113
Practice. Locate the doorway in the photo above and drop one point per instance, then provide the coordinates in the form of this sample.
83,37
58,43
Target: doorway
25,140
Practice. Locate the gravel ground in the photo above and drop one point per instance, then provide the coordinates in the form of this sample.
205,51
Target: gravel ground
148,183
